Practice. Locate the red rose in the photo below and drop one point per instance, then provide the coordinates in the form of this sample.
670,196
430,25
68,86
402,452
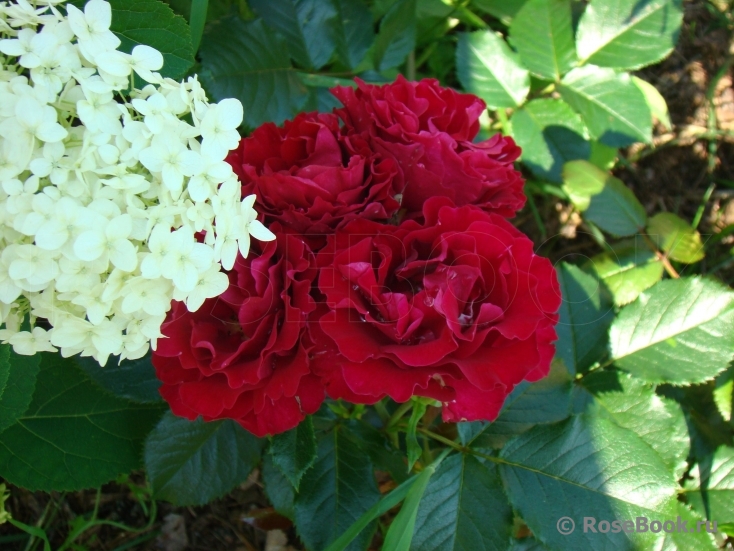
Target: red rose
240,356
459,309
428,130
310,179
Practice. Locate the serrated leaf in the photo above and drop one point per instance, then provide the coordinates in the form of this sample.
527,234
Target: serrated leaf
463,508
19,386
627,270
585,315
613,108
192,463
529,404
628,34
679,331
689,540
397,34
542,33
488,68
604,199
73,435
277,487
711,490
586,466
306,26
154,24
616,210
249,62
294,451
501,9
724,394
334,493
133,380
550,134
633,405
655,101
351,35
676,237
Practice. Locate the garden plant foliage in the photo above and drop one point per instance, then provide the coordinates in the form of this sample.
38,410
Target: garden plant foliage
619,429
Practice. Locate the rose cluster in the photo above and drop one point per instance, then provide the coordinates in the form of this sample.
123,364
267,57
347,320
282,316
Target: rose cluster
113,200
394,273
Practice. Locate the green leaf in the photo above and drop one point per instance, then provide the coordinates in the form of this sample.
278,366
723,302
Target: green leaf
603,156
133,380
73,435
389,501
294,451
528,544
349,32
613,108
400,535
463,508
501,9
604,199
277,487
192,463
690,540
585,315
655,101
4,367
249,62
616,210
550,134
633,405
679,331
20,381
197,20
154,24
676,237
581,181
627,270
529,404
397,35
724,394
334,493
374,443
711,490
586,467
543,36
306,26
628,34
488,68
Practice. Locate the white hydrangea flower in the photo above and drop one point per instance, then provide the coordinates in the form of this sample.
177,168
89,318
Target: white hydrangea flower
104,223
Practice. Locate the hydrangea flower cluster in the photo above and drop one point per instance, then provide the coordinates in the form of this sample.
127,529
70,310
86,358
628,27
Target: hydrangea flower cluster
114,201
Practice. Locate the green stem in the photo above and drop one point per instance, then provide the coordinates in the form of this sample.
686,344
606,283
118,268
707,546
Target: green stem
410,66
502,116
403,408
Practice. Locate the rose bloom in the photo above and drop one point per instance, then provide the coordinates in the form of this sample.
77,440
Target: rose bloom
311,179
458,309
240,356
429,130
